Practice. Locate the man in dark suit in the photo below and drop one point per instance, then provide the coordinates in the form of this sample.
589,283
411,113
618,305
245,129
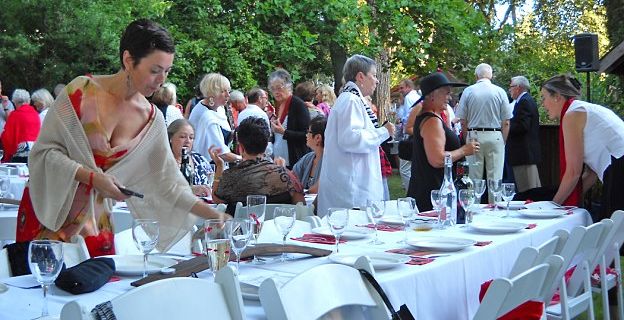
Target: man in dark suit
523,146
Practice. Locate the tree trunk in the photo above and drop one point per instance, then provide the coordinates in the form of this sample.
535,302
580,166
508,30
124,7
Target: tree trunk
382,94
338,56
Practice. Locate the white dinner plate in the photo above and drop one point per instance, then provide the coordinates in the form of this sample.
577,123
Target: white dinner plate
132,265
350,233
513,205
379,260
440,243
542,214
498,227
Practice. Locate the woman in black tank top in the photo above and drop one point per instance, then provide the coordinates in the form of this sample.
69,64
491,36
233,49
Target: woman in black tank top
432,140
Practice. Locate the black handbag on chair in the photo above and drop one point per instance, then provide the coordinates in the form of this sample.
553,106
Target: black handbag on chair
403,313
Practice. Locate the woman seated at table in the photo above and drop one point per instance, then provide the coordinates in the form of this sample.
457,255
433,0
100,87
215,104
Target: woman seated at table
590,135
102,134
256,174
433,139
308,168
181,135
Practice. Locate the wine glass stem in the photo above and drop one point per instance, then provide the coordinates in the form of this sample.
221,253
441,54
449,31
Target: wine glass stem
376,234
238,263
337,242
44,309
144,265
284,248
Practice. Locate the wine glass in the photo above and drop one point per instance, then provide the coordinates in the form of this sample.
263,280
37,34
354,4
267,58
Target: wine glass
239,233
375,210
466,200
472,159
217,244
407,209
436,202
284,221
5,183
495,186
338,219
256,208
509,191
45,259
479,188
145,233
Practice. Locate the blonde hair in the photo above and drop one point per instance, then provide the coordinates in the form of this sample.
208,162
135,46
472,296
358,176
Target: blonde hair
327,94
212,84
166,95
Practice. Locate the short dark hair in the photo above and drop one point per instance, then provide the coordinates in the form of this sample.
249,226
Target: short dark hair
142,37
306,91
253,135
254,95
317,126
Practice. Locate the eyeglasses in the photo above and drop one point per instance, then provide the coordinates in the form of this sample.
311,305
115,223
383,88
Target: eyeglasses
513,86
276,88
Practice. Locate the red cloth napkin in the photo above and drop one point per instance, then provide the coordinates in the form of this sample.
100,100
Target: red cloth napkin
490,206
531,226
419,261
383,227
528,201
409,252
482,243
318,238
431,213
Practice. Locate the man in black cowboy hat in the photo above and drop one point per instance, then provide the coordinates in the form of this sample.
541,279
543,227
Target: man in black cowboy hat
484,113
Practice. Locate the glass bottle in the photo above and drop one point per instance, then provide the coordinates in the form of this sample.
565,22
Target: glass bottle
462,181
448,194
185,166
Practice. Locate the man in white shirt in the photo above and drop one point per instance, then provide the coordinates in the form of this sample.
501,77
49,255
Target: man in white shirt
484,113
251,109
410,96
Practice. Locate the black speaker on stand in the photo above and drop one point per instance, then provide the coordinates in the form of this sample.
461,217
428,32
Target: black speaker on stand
586,56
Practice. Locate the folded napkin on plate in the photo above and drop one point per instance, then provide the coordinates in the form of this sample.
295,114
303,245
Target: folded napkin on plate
531,226
318,238
431,213
383,227
482,243
87,276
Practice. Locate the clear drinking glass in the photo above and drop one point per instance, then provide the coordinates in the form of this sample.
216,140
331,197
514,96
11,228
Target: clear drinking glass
467,199
479,188
407,209
375,210
5,183
45,259
239,233
338,219
496,187
256,208
217,244
508,192
284,221
436,202
145,233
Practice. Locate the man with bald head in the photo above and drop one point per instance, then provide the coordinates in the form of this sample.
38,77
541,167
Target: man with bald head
484,115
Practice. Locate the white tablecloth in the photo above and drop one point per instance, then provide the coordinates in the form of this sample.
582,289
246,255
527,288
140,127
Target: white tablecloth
444,289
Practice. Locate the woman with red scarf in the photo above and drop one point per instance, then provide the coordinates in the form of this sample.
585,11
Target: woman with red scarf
591,145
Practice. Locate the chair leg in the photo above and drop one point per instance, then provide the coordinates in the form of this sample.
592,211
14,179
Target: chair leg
618,284
590,303
604,286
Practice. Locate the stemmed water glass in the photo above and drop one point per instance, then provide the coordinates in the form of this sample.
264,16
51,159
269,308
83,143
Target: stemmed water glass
509,191
217,244
375,210
496,187
436,202
145,233
466,200
407,209
239,233
45,259
284,221
256,208
479,189
338,219
5,183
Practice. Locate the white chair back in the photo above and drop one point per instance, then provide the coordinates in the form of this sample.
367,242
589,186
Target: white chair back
303,211
333,289
8,225
174,298
611,255
530,256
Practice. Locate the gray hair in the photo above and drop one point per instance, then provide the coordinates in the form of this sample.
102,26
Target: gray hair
44,97
521,81
20,97
483,70
566,85
237,96
355,64
284,76
58,88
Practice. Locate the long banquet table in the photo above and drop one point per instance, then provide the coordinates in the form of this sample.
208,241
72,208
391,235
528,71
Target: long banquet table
446,288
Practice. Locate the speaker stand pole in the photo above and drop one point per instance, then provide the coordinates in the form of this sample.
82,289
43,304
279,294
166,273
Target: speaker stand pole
588,87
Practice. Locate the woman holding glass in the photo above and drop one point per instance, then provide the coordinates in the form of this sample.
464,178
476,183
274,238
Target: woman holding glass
181,135
591,144
102,134
433,139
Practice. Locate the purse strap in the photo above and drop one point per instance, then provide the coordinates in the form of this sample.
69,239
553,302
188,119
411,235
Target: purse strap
369,277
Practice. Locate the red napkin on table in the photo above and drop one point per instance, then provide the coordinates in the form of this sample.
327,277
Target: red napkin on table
490,206
318,238
531,226
419,261
482,243
528,201
409,252
431,213
383,227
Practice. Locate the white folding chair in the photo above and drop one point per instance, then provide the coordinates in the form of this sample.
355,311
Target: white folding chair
323,291
303,211
579,285
173,298
530,256
505,294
